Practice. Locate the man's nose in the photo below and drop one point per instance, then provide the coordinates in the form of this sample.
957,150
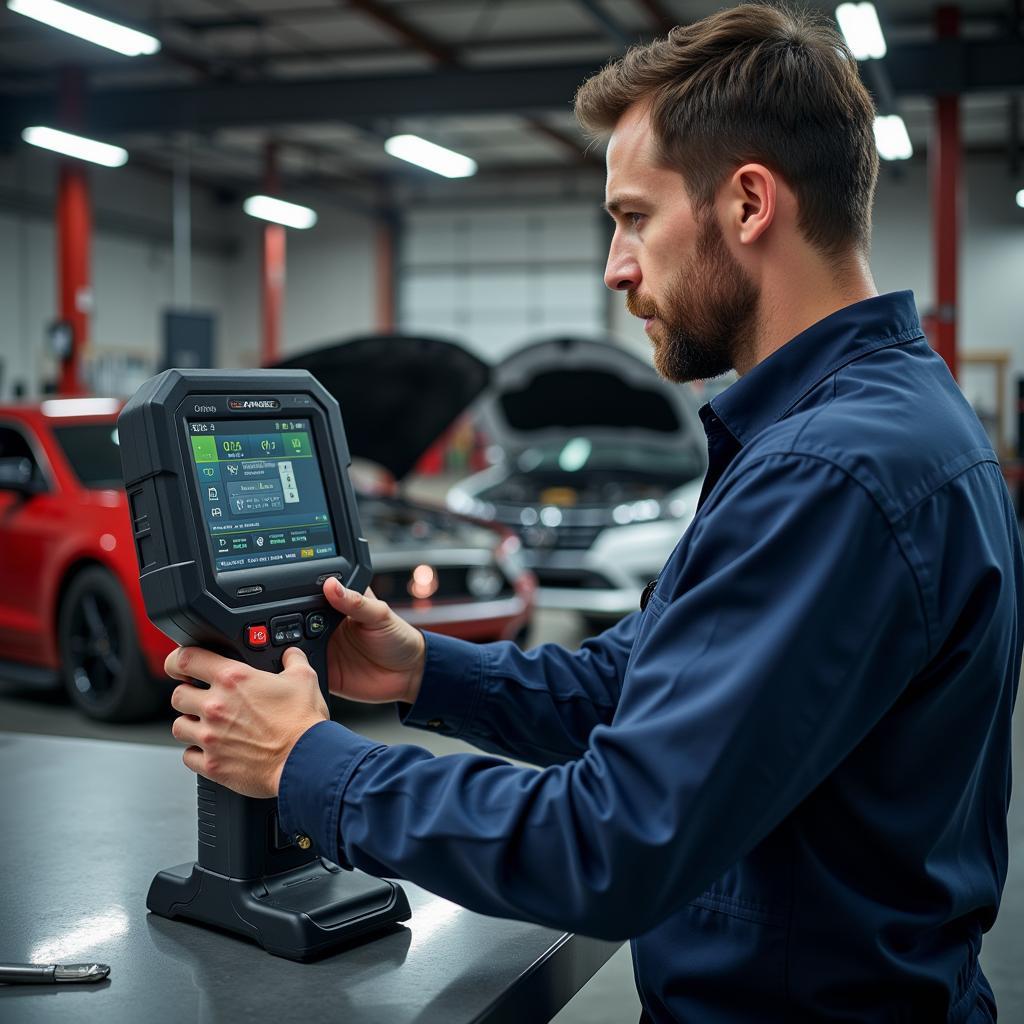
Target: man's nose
621,272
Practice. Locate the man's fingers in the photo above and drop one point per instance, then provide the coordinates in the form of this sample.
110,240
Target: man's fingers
293,656
194,663
186,730
194,759
366,609
188,699
294,660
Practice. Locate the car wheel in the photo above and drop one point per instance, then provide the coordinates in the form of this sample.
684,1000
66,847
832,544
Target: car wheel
101,662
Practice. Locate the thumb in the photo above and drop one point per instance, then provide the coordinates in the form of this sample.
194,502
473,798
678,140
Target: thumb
294,657
366,609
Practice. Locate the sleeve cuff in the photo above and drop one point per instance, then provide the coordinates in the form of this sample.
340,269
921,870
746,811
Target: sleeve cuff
313,783
450,691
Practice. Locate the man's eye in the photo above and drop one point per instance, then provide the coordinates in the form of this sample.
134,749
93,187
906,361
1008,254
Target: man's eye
635,218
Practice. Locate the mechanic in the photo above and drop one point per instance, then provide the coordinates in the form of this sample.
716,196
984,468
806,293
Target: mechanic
787,778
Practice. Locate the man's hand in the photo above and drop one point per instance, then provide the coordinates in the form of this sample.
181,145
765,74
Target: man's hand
241,730
374,656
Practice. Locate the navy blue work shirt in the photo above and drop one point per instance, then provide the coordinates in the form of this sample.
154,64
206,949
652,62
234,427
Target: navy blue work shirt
787,779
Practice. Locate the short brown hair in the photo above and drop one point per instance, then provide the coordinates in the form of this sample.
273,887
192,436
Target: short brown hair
755,83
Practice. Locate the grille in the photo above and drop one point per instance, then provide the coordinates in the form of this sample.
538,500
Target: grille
573,579
559,538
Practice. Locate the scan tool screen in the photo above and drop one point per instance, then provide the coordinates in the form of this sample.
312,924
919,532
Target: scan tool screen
261,492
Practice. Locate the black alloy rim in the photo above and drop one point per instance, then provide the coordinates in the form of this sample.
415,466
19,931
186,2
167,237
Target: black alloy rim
94,647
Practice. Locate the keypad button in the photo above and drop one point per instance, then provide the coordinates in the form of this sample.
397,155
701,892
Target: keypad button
286,629
256,636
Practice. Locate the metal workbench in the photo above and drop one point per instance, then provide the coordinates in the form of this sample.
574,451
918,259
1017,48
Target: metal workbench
86,824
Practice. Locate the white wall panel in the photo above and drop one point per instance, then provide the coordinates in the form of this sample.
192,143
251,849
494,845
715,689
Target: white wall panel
515,274
329,285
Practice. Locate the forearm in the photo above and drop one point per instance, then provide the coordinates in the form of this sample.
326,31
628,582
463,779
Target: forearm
565,847
540,706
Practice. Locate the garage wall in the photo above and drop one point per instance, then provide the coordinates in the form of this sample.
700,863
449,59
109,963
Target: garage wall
131,264
494,274
329,289
499,276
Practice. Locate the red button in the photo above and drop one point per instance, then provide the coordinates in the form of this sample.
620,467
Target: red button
258,636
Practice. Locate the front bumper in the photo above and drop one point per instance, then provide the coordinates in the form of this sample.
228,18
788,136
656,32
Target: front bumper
499,619
606,579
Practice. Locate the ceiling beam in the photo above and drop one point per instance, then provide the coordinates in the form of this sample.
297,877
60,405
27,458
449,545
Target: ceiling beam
915,69
580,153
415,37
448,57
663,21
619,35
41,79
353,99
956,65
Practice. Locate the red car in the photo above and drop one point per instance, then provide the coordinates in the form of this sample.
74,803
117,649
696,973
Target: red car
70,605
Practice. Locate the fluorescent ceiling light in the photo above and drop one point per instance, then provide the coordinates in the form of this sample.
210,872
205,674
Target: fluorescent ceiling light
75,145
291,215
87,26
860,28
1020,198
431,156
892,139
80,406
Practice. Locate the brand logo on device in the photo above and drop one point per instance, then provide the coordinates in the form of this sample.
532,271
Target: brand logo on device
241,404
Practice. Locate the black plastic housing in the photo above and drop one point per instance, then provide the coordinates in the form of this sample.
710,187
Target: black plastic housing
245,865
183,594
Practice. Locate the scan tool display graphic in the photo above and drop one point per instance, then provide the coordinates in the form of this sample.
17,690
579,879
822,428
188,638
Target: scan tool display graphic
261,491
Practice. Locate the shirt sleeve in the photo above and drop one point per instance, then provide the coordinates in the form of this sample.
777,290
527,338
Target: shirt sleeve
539,706
790,627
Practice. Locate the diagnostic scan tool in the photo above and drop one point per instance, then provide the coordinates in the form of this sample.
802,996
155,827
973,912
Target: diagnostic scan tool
241,508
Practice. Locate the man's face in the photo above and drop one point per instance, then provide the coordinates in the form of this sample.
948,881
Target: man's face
698,304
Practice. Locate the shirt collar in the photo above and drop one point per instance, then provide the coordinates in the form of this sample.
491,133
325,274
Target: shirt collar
767,392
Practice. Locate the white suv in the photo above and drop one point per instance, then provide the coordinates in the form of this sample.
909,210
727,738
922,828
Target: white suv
601,468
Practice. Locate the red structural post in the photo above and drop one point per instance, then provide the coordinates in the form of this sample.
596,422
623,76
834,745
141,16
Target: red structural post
385,271
273,277
945,160
74,236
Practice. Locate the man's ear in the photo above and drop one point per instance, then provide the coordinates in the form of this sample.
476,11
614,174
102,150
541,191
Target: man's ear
750,195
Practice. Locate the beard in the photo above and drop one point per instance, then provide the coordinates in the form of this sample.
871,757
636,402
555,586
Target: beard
708,316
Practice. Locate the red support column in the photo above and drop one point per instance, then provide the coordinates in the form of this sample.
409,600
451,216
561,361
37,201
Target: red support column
274,254
74,236
273,291
945,161
385,273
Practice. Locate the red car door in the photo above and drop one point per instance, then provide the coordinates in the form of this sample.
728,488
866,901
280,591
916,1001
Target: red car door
30,526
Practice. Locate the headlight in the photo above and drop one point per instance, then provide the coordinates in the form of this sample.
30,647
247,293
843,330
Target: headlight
423,582
648,510
645,511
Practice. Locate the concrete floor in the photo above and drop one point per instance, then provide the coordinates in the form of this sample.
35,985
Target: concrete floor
610,997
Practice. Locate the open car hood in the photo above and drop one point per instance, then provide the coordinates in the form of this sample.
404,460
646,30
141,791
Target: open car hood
398,394
567,386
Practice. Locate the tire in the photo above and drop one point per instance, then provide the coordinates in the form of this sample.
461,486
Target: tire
101,661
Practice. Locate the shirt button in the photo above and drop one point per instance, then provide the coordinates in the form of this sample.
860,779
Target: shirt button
303,842
435,723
